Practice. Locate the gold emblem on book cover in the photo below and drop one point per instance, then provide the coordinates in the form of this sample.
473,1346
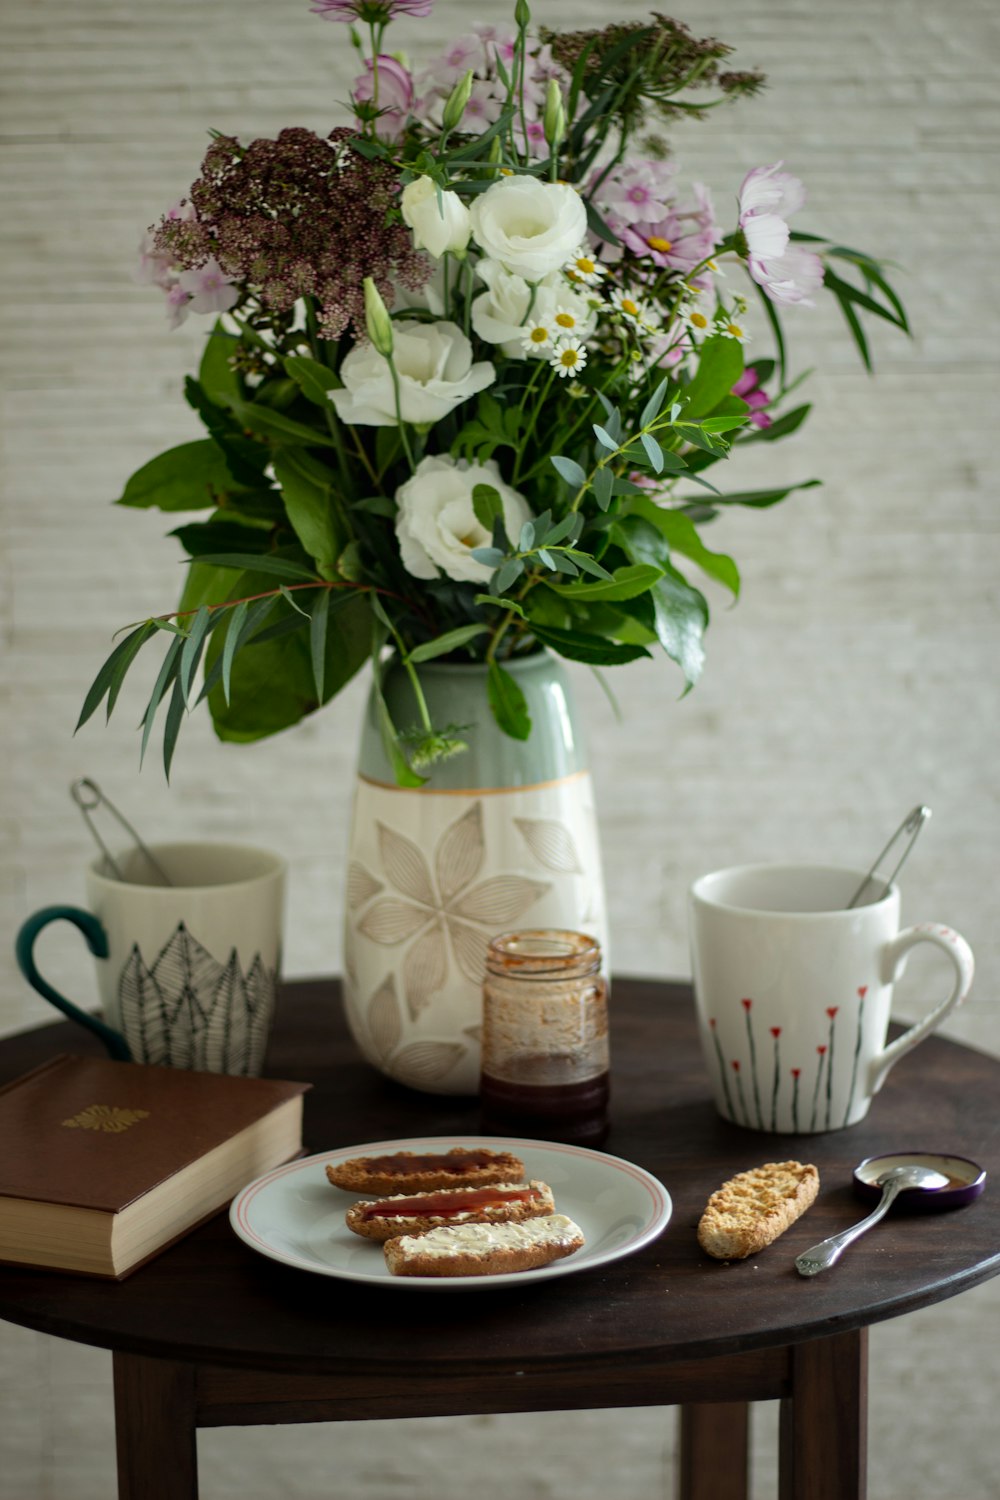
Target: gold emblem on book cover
106,1117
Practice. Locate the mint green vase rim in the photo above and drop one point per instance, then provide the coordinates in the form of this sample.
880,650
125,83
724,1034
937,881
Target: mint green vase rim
529,663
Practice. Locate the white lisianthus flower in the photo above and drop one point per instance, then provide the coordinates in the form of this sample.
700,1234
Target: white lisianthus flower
531,227
439,219
434,365
436,525
502,314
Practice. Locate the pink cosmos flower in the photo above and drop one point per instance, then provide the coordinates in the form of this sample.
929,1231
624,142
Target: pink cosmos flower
639,191
207,288
378,11
178,305
676,242
767,197
749,390
789,278
395,94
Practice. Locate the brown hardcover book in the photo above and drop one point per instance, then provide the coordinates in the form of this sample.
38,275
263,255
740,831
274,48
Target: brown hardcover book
106,1163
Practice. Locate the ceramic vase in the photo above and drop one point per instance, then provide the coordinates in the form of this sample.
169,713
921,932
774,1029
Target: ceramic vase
503,836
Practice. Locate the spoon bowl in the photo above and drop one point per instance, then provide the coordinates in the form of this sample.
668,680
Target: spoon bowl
905,1177
966,1180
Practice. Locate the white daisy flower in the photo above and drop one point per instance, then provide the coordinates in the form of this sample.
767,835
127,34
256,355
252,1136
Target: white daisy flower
582,266
538,335
568,323
697,319
634,309
730,329
569,357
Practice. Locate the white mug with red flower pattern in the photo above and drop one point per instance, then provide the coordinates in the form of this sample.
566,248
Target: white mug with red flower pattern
794,992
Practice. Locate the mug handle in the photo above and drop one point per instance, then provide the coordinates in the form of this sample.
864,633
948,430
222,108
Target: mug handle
97,942
960,954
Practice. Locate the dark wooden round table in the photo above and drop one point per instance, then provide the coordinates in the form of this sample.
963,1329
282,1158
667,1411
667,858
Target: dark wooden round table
210,1333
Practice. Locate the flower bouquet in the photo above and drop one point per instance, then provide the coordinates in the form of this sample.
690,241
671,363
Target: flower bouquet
476,356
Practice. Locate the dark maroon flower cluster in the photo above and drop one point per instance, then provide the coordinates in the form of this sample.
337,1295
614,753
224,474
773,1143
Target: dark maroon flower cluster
295,217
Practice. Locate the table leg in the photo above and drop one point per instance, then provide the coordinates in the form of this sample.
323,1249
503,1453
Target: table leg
714,1451
824,1423
155,1429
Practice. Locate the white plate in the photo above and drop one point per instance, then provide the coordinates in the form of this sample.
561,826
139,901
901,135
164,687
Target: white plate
293,1215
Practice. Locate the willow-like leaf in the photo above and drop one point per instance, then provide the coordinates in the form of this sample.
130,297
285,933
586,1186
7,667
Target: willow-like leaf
193,647
111,675
172,727
233,632
169,668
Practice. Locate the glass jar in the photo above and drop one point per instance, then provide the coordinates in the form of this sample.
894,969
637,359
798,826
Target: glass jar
545,1037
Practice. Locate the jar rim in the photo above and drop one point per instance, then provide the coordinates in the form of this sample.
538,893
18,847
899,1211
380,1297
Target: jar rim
543,950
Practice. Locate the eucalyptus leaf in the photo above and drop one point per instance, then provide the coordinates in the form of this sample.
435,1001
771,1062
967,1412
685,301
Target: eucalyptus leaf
603,486
172,726
277,567
234,628
569,470
500,603
508,573
604,438
317,640
490,557
112,673
651,410
625,583
653,451
193,646
487,505
169,668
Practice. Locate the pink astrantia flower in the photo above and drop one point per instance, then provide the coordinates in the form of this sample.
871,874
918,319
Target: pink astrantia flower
377,11
208,289
767,197
748,389
395,94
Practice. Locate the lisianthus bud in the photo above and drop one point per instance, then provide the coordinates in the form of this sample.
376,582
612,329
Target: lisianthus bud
377,319
439,219
554,119
522,15
457,100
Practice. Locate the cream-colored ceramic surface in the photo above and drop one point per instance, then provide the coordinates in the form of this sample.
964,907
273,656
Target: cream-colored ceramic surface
190,973
794,992
432,876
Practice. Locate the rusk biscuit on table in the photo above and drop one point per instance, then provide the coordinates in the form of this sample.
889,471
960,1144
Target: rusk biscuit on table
750,1211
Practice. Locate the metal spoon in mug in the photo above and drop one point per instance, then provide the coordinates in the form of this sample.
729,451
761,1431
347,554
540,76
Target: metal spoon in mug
893,1182
911,824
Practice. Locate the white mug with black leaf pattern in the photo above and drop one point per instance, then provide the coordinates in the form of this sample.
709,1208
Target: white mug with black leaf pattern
793,992
186,969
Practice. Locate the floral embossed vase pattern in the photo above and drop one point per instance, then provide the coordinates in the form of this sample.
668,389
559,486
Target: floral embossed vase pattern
503,836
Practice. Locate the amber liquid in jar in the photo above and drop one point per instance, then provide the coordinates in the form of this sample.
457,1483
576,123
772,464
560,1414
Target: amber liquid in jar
545,1069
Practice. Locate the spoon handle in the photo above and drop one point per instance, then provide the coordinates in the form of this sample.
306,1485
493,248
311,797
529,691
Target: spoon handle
828,1252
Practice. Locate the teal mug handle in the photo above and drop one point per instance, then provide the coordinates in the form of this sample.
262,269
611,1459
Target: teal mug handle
97,942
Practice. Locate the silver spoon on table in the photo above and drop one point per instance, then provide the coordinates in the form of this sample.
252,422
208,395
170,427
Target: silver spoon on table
892,1183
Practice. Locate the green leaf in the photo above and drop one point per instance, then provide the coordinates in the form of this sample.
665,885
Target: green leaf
570,526
273,681
680,611
487,505
450,641
500,603
720,365
653,451
587,564
760,499
604,438
844,291
233,631
569,470
779,338
651,410
312,378
280,430
216,376
317,640
508,573
305,485
111,675
277,567
625,583
193,647
168,672
172,727
191,476
592,649
682,536
779,428
507,703
603,486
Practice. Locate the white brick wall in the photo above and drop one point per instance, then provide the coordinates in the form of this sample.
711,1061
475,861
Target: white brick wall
856,677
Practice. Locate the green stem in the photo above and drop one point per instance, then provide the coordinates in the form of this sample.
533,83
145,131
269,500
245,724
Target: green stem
529,431
404,436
